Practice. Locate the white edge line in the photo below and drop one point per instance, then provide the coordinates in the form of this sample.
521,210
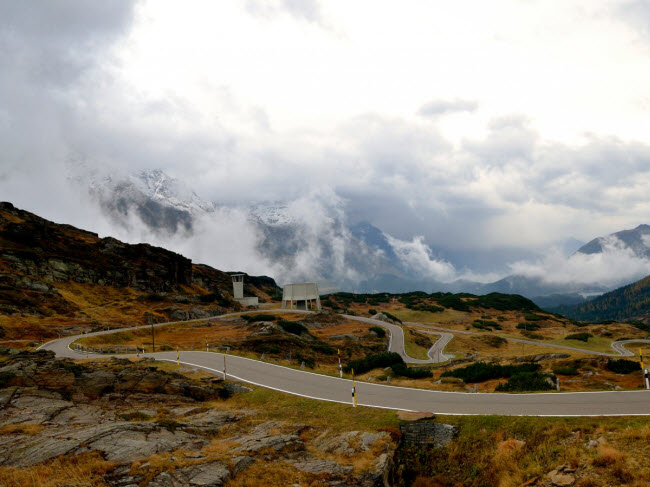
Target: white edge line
433,391
401,409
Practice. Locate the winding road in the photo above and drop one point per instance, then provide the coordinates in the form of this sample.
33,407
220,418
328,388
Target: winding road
327,388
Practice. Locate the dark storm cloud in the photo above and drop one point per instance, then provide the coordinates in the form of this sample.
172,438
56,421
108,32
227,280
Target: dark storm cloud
441,107
53,42
46,48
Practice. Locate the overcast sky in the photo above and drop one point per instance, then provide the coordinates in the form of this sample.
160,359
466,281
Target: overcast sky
475,124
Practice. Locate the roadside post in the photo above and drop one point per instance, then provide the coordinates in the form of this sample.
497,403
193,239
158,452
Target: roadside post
354,392
644,371
178,357
338,350
206,344
224,365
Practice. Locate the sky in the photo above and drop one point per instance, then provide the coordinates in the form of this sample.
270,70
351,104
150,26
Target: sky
473,125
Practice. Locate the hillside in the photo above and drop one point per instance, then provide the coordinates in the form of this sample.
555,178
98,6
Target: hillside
55,278
628,303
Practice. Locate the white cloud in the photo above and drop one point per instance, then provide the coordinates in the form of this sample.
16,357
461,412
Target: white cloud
616,265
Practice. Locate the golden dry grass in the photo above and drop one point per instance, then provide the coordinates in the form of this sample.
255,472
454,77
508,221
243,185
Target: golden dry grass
29,429
84,470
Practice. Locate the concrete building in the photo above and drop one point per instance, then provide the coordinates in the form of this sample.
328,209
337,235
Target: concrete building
303,295
238,291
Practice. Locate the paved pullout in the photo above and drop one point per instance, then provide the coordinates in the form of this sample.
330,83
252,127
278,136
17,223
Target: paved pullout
316,386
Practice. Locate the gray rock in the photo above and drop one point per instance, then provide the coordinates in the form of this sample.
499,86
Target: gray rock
239,464
560,479
207,474
322,466
118,442
261,438
434,434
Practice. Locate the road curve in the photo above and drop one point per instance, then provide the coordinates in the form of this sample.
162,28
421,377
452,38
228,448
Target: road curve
618,346
326,388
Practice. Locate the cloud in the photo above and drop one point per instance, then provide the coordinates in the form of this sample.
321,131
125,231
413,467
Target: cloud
308,10
616,265
443,107
637,14
417,256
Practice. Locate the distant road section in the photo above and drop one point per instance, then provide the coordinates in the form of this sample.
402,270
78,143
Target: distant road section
326,388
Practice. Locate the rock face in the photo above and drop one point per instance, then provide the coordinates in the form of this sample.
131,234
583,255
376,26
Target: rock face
135,416
36,254
433,434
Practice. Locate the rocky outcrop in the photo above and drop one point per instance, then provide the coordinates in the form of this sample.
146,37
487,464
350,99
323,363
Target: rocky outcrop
36,254
426,433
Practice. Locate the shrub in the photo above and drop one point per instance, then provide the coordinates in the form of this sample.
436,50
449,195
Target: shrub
293,327
260,317
5,377
309,361
528,381
486,325
583,337
504,302
623,366
379,331
565,371
323,347
528,326
532,336
366,364
480,371
452,301
411,373
169,424
533,317
372,312
152,298
392,317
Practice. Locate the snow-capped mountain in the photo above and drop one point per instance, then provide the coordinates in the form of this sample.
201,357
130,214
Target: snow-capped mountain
272,214
162,203
311,239
637,240
169,191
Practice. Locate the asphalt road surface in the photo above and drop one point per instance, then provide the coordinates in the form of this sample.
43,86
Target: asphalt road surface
322,387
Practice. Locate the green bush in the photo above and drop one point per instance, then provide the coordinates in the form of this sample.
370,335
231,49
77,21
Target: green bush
486,325
372,312
152,298
533,317
504,302
583,337
379,331
533,336
392,317
528,381
480,371
293,327
452,301
565,371
623,366
261,317
323,347
411,373
5,377
212,297
366,364
528,326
